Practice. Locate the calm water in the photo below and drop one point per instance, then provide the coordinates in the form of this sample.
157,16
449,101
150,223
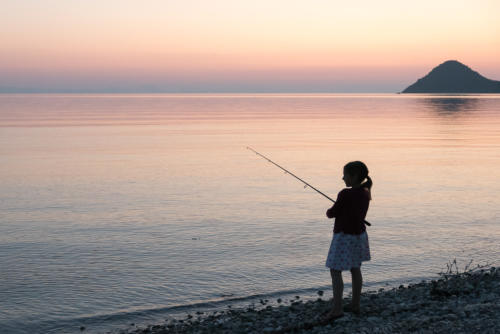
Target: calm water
133,208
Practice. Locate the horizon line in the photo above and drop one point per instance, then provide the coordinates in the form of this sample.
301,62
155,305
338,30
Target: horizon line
193,92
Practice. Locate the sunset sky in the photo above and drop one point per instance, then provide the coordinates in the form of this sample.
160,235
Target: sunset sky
240,46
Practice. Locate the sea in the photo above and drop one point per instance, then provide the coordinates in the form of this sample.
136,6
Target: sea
122,210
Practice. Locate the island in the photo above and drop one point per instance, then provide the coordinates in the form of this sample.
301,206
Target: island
453,77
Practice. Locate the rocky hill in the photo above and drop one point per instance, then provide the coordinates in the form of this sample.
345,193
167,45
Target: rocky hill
453,77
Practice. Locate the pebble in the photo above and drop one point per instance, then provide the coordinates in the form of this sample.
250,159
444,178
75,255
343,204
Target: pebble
461,303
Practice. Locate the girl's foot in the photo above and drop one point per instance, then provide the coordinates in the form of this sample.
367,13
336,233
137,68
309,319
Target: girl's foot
350,308
329,317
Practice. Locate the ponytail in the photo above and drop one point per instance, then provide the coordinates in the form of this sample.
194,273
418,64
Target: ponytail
368,185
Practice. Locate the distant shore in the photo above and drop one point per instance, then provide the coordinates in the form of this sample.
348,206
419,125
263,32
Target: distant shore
464,302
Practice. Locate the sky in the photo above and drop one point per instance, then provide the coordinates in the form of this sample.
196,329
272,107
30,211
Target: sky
208,46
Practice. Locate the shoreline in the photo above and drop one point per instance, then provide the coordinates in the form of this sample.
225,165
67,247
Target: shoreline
460,302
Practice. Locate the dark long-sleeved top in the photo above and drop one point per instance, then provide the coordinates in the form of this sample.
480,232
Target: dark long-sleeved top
350,210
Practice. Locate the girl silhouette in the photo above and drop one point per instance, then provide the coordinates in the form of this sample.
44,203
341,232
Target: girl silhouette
349,245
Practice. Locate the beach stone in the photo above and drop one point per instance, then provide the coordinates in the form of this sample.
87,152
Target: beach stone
386,313
413,310
471,307
373,319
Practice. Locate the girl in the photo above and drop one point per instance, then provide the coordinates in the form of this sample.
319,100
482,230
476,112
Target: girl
349,246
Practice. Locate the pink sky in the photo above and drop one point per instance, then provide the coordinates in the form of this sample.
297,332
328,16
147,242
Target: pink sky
190,45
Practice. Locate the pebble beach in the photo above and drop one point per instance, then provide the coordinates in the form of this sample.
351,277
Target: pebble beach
466,302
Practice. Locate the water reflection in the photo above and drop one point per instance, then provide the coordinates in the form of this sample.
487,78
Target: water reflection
451,106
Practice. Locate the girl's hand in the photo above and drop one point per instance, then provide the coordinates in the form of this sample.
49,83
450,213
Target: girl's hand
329,212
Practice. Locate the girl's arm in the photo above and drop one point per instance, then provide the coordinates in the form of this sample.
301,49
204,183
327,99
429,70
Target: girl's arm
335,209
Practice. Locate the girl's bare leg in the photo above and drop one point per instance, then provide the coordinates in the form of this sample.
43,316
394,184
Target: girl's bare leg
357,282
338,290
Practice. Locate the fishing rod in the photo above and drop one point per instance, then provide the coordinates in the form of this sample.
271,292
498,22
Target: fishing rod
288,172
295,176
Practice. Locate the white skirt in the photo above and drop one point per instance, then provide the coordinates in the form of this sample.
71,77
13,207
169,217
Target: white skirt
348,251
